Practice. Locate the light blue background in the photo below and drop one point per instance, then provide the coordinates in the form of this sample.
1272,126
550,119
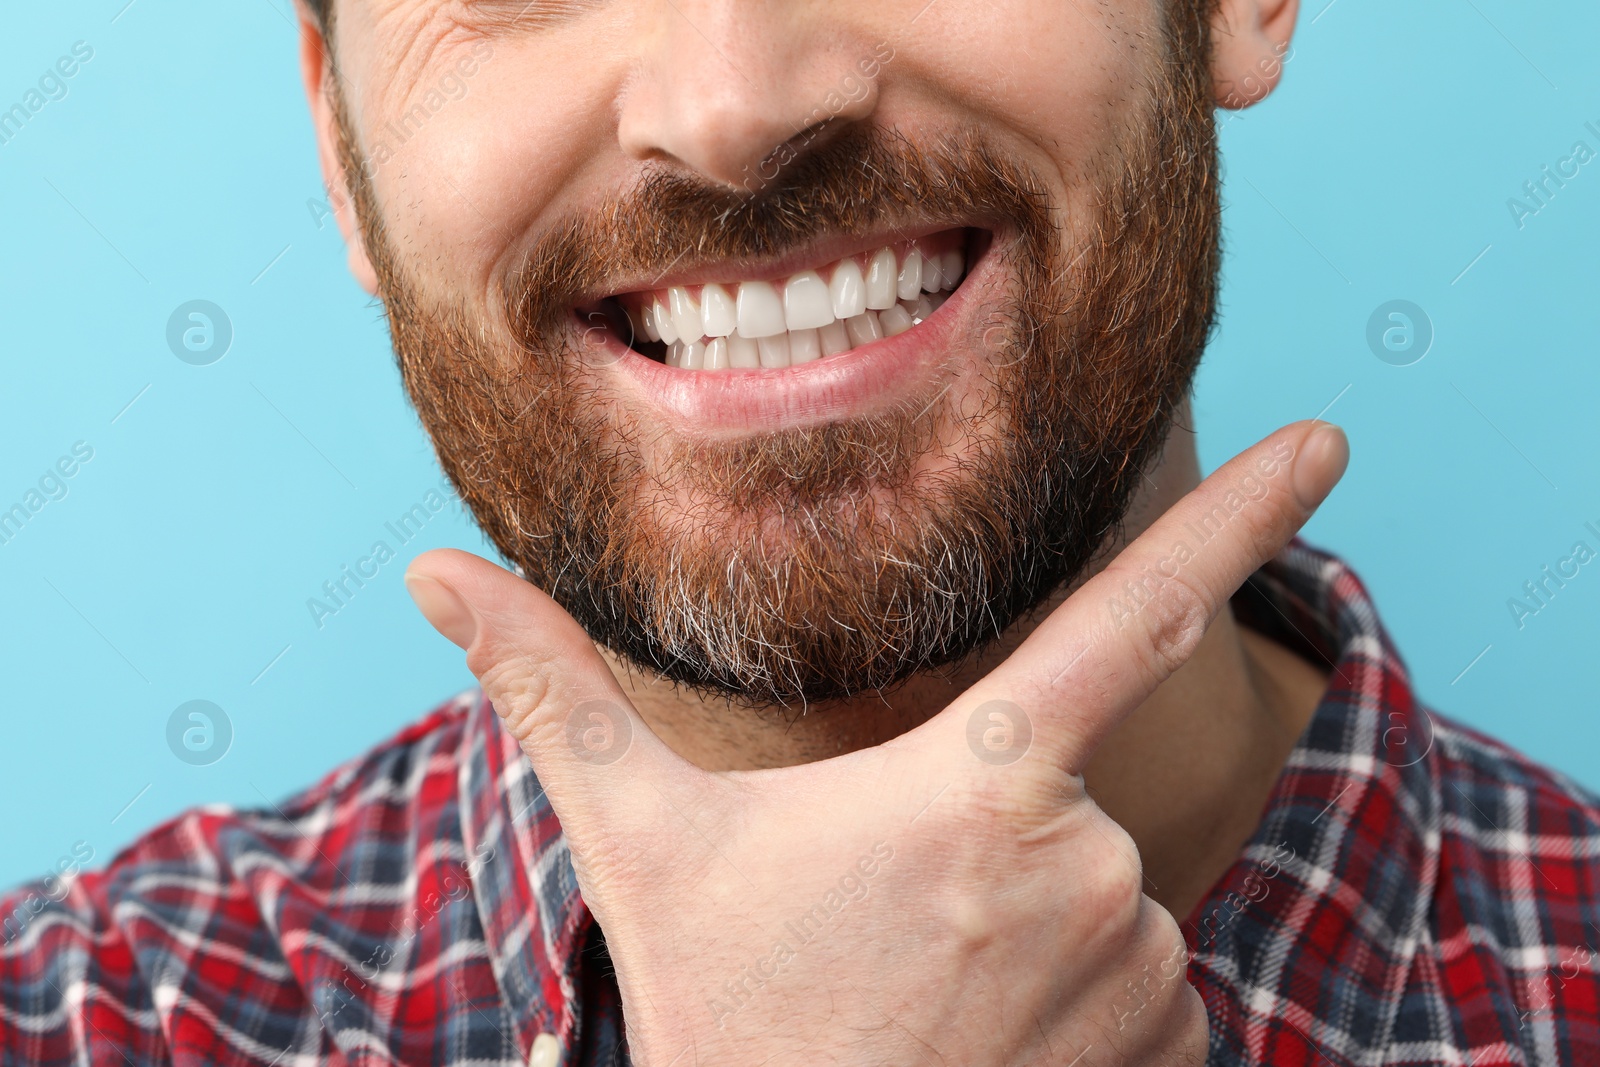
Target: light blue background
181,165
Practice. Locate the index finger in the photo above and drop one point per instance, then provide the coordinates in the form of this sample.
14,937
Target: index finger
1130,627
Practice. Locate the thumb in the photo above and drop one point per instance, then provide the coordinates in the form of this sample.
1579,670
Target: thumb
556,694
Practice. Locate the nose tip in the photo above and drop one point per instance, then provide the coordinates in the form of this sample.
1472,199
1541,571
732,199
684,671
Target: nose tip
724,139
738,90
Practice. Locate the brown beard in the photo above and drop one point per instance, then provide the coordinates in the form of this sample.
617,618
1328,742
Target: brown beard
810,564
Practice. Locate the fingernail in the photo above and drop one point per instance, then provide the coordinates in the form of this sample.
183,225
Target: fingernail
443,607
1324,454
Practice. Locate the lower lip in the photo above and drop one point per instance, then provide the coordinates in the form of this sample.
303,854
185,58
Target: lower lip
850,384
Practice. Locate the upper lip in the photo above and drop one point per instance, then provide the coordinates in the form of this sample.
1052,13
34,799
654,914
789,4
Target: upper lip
810,256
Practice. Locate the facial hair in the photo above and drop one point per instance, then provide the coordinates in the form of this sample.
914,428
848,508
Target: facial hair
808,564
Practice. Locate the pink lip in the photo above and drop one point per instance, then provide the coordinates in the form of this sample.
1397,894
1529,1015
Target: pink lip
853,383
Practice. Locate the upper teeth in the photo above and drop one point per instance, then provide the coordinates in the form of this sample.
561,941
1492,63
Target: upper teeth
809,315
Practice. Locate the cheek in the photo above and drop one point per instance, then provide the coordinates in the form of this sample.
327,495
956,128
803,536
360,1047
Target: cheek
1066,76
523,143
1063,86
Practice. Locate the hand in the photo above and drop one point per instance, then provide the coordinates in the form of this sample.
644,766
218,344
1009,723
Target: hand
951,896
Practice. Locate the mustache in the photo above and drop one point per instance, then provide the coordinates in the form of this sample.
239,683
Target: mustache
864,180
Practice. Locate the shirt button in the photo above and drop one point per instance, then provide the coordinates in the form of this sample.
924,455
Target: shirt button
546,1051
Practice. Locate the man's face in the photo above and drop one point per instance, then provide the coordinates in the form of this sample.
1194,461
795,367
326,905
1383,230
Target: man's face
934,277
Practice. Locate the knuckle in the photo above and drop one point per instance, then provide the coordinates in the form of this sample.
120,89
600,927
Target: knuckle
1161,1017
1114,879
519,692
1175,622
1162,938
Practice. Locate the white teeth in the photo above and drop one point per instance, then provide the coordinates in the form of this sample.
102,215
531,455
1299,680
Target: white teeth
716,354
774,350
881,280
848,289
663,321
910,281
952,265
685,314
718,315
895,320
744,353
804,346
835,338
760,310
810,315
806,303
864,328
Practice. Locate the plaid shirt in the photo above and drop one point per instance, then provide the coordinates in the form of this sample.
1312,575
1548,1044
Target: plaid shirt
1415,893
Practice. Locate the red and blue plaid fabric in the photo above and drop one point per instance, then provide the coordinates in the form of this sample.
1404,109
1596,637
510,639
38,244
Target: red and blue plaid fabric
1414,894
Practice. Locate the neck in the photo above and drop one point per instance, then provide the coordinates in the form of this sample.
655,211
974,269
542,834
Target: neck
1186,774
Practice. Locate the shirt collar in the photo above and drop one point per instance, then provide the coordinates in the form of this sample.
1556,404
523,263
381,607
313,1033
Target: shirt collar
534,921
1344,861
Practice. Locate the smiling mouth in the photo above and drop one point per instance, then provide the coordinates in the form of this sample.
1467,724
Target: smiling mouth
771,323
